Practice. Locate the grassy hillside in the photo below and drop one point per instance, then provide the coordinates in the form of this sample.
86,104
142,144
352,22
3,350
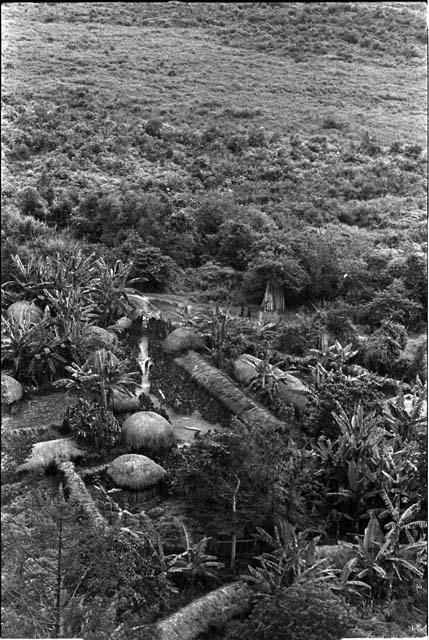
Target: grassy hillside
150,118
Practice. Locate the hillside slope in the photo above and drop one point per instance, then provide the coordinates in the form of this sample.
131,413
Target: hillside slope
167,120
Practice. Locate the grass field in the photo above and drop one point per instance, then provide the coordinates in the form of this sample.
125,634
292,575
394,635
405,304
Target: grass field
81,81
133,59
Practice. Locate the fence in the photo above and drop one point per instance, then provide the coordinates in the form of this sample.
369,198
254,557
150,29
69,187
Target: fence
246,549
122,517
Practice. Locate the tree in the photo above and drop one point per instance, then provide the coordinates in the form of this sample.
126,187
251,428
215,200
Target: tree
62,579
393,303
319,254
151,267
235,239
42,574
283,273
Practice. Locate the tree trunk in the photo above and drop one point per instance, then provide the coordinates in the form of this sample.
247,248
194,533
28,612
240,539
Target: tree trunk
58,612
212,610
234,517
274,298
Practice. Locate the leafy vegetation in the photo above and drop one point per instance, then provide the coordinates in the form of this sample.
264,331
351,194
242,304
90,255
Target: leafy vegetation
212,153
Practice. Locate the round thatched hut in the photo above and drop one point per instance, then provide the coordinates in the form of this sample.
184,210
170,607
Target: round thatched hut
135,472
147,431
97,359
23,313
291,389
95,338
11,390
121,325
181,339
122,403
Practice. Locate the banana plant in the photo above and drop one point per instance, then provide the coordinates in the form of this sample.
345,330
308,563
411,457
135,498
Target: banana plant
334,356
381,560
407,419
352,465
104,375
355,495
360,436
34,350
191,566
107,292
269,377
292,559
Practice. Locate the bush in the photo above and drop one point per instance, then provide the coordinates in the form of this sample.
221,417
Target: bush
383,348
32,203
92,425
150,266
348,392
206,474
213,279
393,304
301,612
154,128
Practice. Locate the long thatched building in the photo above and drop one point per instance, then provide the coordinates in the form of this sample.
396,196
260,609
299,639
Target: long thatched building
220,386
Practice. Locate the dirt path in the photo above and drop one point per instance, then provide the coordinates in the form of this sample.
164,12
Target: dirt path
38,411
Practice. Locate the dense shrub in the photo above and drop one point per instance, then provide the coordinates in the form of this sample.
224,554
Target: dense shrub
300,612
92,425
207,472
340,389
393,304
383,348
149,266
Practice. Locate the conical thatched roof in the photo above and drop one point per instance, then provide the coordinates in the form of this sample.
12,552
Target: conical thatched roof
291,389
146,430
122,324
95,338
11,390
181,339
132,471
23,313
123,403
96,358
44,454
221,387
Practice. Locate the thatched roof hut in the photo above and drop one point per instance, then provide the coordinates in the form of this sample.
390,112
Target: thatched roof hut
95,338
291,389
23,313
122,324
11,390
182,339
135,472
148,431
221,387
97,358
45,454
123,403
